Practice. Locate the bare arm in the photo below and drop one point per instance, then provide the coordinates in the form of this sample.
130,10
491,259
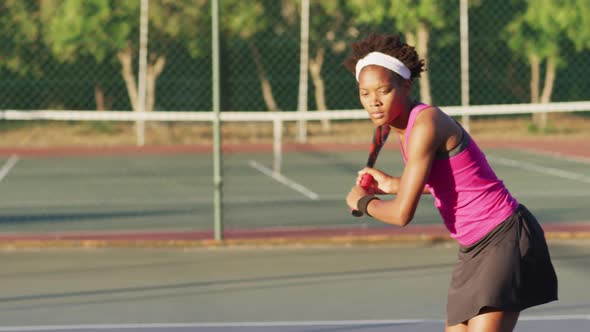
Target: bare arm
421,150
424,140
384,183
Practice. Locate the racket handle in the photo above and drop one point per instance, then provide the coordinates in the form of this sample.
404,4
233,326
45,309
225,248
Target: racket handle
366,182
356,213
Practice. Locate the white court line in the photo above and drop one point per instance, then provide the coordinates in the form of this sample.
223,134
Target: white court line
555,317
287,182
8,166
263,324
556,155
540,169
205,325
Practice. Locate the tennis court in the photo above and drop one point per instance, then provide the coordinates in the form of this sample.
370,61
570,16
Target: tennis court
172,192
318,287
109,217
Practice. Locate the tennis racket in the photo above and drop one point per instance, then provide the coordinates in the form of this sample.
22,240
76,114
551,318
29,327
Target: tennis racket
379,137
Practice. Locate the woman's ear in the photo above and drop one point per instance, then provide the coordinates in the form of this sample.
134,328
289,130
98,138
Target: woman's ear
407,84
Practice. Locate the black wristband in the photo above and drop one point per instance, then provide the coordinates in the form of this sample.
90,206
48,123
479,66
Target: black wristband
363,203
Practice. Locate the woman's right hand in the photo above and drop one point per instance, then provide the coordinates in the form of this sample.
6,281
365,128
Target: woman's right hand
383,183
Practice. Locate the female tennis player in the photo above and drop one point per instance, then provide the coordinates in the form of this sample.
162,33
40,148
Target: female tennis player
504,265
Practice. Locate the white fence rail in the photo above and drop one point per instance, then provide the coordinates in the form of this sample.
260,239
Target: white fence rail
92,115
278,118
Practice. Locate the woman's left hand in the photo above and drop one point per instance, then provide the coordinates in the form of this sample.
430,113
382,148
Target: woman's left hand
382,183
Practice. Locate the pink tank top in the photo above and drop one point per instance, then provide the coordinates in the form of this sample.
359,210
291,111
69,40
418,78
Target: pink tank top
471,199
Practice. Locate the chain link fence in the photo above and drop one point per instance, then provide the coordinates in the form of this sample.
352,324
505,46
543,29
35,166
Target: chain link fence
83,55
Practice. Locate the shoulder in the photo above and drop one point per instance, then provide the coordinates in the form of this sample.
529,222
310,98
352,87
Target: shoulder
428,128
430,114
430,118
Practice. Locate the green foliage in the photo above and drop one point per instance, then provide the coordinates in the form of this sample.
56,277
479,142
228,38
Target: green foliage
9,125
103,127
101,28
243,19
186,21
542,25
405,13
331,25
20,37
404,16
408,13
533,128
91,27
369,12
38,73
578,23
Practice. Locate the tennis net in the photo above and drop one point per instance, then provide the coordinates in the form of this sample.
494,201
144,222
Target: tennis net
270,183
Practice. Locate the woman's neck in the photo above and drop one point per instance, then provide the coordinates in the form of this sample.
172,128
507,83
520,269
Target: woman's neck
400,123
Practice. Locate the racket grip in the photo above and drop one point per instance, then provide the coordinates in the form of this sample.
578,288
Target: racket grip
356,213
366,181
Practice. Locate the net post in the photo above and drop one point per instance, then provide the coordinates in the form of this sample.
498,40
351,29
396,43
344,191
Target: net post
464,27
303,70
141,93
217,169
277,145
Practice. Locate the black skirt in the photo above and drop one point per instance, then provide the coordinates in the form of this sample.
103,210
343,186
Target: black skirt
509,269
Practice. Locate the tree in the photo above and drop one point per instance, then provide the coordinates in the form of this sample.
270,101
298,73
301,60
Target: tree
578,23
535,35
22,49
244,20
415,19
330,30
109,31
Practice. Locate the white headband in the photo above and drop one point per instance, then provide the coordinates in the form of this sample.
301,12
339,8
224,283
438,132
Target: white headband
385,61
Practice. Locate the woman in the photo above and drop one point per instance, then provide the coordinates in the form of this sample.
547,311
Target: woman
504,265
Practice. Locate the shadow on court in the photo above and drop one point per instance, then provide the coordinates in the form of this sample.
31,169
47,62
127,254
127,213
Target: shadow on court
82,216
524,325
332,288
229,285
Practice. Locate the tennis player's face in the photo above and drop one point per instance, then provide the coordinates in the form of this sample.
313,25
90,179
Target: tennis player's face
382,95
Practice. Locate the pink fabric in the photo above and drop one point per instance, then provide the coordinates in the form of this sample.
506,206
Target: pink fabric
471,199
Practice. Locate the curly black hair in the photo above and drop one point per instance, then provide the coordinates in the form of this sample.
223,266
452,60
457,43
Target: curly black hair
387,44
